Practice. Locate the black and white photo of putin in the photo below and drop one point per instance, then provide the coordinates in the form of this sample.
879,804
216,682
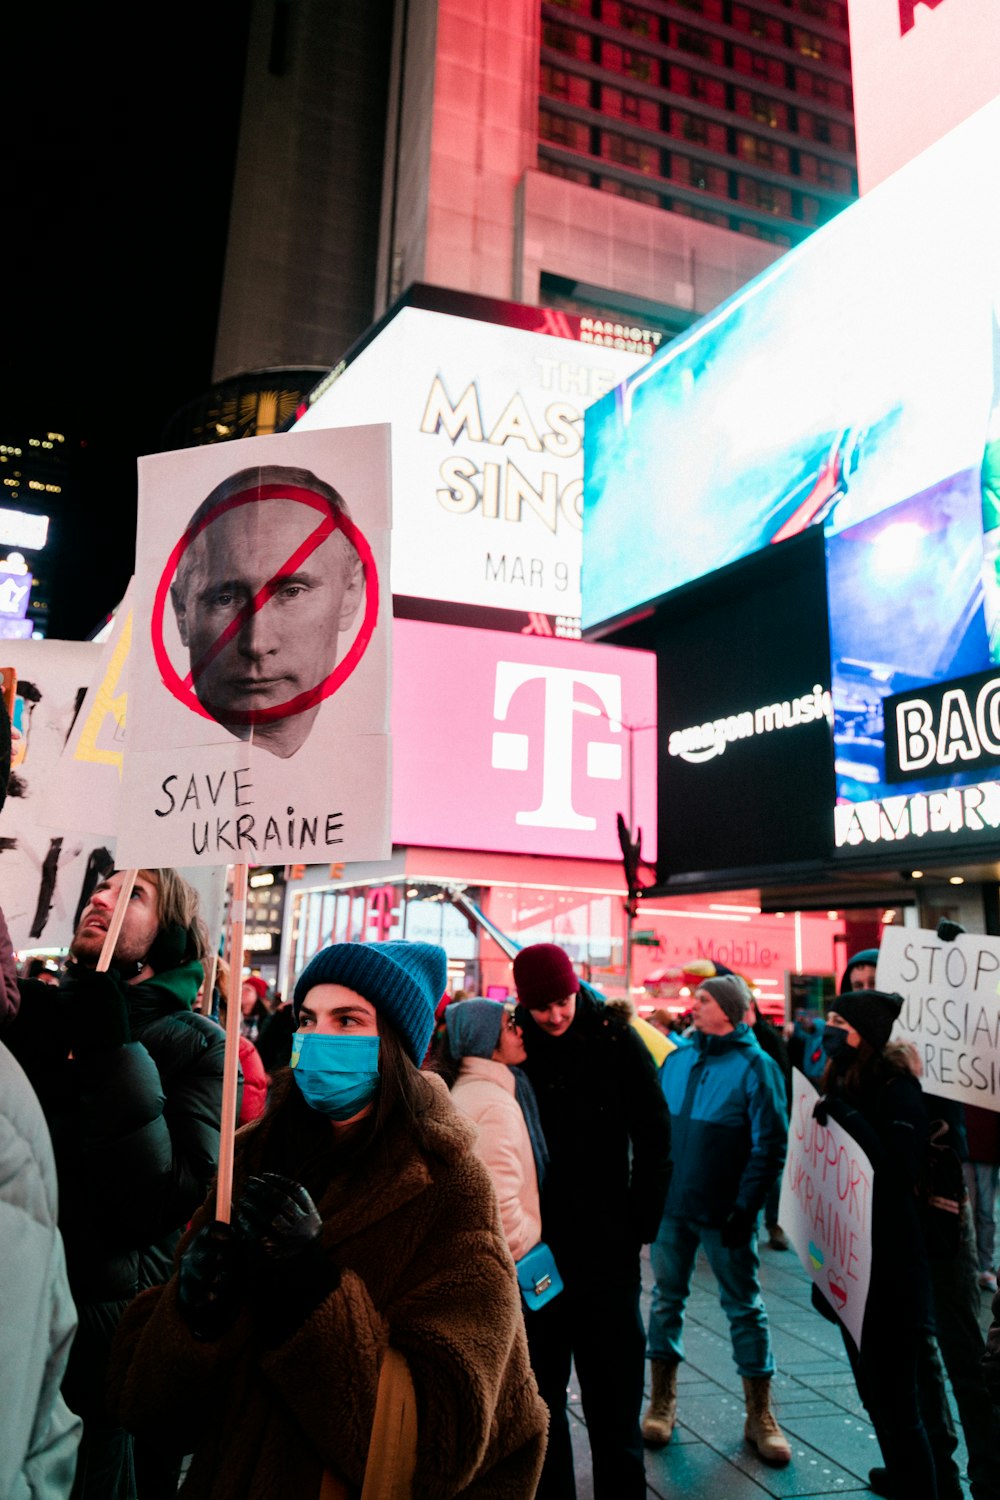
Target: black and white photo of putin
262,594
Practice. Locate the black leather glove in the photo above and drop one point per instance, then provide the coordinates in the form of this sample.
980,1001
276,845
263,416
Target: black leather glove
291,1270
737,1228
97,1012
211,1280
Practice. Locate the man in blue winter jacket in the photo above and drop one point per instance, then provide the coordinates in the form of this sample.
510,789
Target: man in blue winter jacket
729,1133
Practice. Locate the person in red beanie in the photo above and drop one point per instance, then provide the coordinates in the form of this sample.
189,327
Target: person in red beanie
252,1005
608,1133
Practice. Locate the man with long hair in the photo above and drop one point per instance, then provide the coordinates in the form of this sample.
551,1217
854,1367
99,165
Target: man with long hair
130,1080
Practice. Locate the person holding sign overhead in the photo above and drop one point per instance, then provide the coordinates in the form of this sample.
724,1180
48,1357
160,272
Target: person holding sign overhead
264,588
130,1081
873,1094
365,1270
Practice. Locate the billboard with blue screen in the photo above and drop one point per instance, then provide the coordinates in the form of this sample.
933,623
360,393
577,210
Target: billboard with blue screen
855,386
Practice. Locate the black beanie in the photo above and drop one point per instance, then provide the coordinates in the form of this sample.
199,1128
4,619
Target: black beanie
872,1013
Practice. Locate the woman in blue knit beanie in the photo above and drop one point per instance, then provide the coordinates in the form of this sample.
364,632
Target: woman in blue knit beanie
364,1223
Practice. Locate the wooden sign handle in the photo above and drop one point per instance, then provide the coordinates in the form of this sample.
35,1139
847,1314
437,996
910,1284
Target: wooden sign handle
230,1075
117,918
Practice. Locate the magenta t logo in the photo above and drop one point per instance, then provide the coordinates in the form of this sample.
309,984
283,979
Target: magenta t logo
907,20
511,751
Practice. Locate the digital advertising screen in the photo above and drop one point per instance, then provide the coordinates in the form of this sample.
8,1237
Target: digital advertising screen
853,388
745,718
487,447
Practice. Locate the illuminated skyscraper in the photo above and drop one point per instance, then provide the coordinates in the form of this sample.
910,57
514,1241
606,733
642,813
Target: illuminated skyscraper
642,161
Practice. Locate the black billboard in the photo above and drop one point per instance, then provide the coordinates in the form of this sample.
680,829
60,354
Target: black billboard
745,780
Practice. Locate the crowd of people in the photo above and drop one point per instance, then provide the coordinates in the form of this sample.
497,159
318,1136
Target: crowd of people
437,1212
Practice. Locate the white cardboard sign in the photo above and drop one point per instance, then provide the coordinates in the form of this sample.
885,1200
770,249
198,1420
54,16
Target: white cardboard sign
826,1206
951,1009
44,870
83,791
259,668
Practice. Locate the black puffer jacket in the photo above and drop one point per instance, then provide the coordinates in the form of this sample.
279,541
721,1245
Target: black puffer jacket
135,1127
888,1119
608,1133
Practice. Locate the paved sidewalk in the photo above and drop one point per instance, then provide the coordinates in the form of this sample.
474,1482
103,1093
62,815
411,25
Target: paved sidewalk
833,1445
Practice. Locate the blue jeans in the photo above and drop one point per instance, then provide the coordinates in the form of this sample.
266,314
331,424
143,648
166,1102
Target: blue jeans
672,1255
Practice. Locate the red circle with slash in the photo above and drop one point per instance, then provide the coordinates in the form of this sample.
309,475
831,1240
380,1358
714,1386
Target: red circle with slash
182,688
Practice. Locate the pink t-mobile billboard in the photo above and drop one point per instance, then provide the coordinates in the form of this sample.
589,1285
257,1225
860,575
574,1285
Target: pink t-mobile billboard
520,743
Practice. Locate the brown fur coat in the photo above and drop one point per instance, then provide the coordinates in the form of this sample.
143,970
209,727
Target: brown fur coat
425,1267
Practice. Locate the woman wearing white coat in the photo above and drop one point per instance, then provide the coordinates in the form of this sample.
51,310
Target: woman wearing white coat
481,1048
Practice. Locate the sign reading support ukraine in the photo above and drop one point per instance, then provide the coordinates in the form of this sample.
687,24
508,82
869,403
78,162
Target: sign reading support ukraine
826,1207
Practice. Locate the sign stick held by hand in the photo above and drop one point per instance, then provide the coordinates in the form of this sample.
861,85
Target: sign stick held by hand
230,1077
117,918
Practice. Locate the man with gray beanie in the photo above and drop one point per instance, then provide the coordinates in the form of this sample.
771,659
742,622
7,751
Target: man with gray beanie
729,1130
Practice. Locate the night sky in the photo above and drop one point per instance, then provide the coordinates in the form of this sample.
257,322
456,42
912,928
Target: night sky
117,199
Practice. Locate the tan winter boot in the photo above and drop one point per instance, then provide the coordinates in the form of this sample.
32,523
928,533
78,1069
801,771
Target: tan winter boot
761,1429
661,1414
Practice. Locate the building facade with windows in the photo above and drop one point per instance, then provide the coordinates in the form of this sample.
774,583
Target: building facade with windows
734,115
642,162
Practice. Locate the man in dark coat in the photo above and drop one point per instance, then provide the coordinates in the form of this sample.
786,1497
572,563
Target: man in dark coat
130,1080
608,1136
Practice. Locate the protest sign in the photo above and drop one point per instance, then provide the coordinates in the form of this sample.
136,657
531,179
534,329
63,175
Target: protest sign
82,793
826,1207
46,873
259,669
951,1009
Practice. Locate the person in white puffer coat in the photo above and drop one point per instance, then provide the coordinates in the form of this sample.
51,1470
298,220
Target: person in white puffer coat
481,1046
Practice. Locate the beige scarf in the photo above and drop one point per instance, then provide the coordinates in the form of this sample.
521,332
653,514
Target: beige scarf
392,1451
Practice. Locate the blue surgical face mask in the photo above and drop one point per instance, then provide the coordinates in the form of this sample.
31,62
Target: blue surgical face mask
337,1075
835,1042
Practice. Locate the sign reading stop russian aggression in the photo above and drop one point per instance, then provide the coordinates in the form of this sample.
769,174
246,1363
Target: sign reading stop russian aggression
826,1207
951,1009
258,710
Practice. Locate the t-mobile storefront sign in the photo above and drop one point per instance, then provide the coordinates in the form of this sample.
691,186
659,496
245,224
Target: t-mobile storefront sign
520,744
